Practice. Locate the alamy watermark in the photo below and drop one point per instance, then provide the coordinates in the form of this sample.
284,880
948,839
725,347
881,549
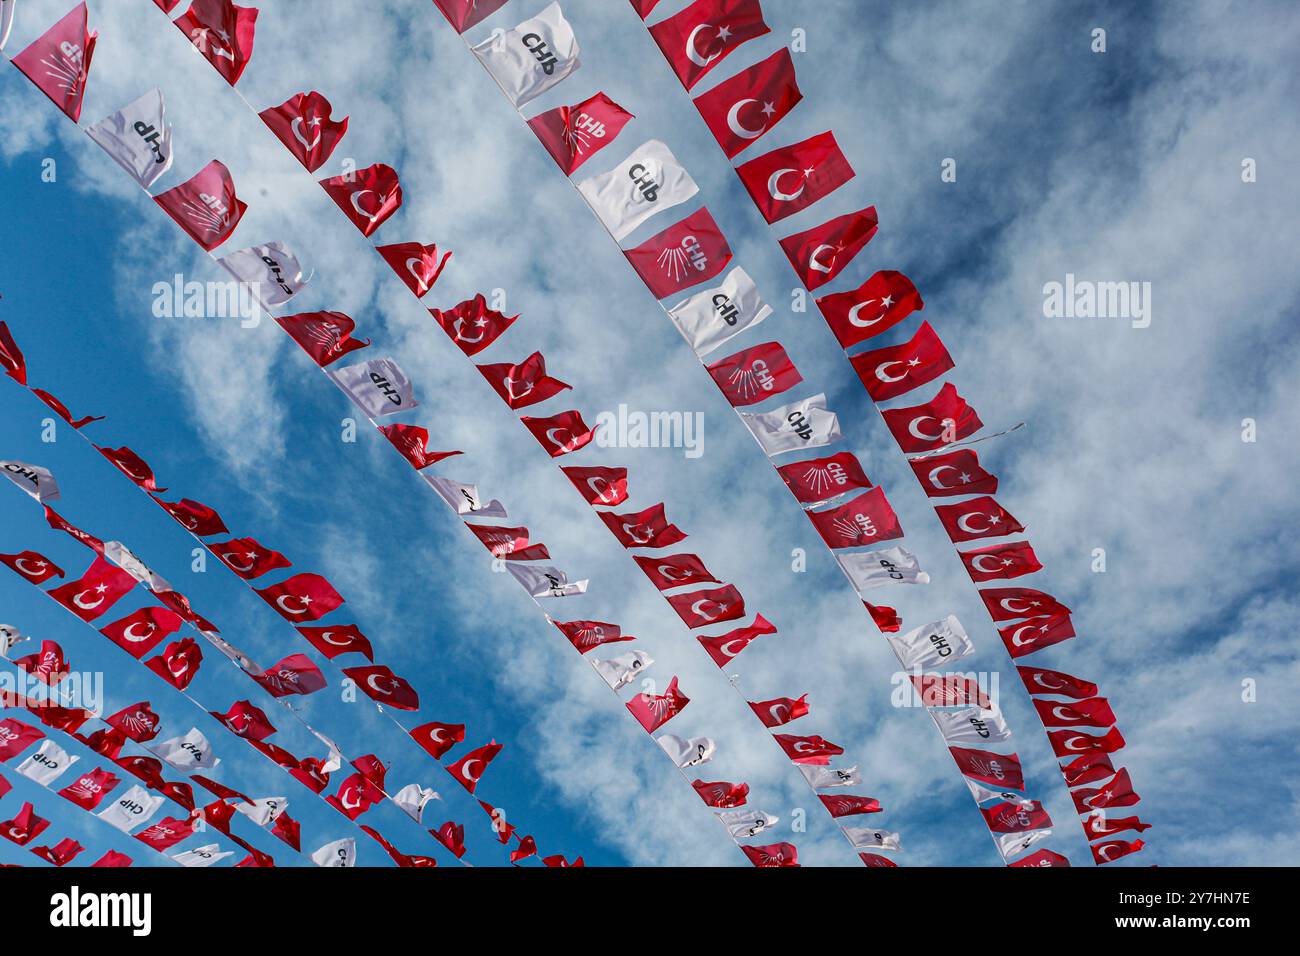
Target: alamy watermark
623,428
179,299
1086,299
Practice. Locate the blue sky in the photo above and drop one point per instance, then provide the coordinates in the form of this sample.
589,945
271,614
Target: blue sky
1116,166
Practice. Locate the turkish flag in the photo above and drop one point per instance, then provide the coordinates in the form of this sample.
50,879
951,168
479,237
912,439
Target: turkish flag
437,738
791,178
34,567
413,442
1000,561
1089,768
355,796
527,847
303,597
560,434
1067,743
586,635
573,134
779,711
700,37
178,663
62,853
62,410
897,369
504,830
472,325
452,836
741,109
295,674
847,805
815,480
674,570
223,33
1096,826
58,62
944,419
138,722
867,519
89,790
885,618
415,264
11,356
67,719
166,6
722,794
643,7
1041,858
102,586
325,336
1112,850
524,384
15,737
303,124
205,206
708,606
340,639
166,833
808,750
1118,792
772,855
197,518
107,742
132,465
382,686
47,665
146,769
652,711
1007,817
366,196
58,524
247,558
724,647
683,255
469,769
820,254
1039,681
755,374
643,529
1089,712
1025,637
950,690
1007,604
876,306
966,478
463,14
25,827
598,486
1001,771
977,518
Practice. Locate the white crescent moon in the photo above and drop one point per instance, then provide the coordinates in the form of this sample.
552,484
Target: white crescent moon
229,559
326,638
464,770
279,602
853,314
355,199
776,712
885,377
370,682
975,563
1006,603
1015,635
343,799
1070,741
459,324
815,263
774,186
84,606
636,534
695,609
600,487
21,565
134,639
422,276
914,429
436,736
562,446
296,128
510,389
733,121
1103,851
1041,681
671,573
693,52
1056,712
964,523
934,481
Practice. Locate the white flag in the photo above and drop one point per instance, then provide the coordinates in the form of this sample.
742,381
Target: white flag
622,670
377,387
339,853
201,856
1013,844
10,637
533,57
190,752
272,271
132,808
874,569
805,424
46,764
138,138
747,823
971,725
649,181
125,559
264,810
865,838
33,479
943,642
712,317
545,580
983,794
823,778
687,753
6,20
462,498
413,798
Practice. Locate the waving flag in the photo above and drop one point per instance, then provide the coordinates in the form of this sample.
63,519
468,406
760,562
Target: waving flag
586,635
500,541
325,336
792,178
874,569
876,306
47,665
620,671
89,790
472,325
36,481
1007,604
338,639
1038,680
1067,743
686,752
897,369
524,384
138,722
133,466
755,374
847,805
649,181
876,839
799,425
545,581
820,254
1014,818
950,690
1025,637
643,529
1089,712
303,123
102,586
1000,561
142,630
303,597
468,770
747,823
573,134
977,518
708,606
674,570
62,853
700,37
773,855
62,410
808,750
741,109
779,711
1117,792
681,256
59,61
366,196
11,356
643,7
463,14
437,738
531,58
15,737
598,486
380,684
463,498
997,770
953,473
138,138
205,206
378,387
933,645
271,270
971,725
944,419
1112,850
724,647
188,752
817,480
415,264
47,764
722,794
178,663
295,674
714,316
867,519
223,33
652,711
247,558
413,442
560,434
194,516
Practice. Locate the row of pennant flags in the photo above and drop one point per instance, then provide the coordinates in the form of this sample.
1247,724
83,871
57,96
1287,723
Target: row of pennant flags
525,62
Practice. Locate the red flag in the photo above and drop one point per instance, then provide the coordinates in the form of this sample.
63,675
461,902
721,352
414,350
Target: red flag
598,486
780,710
643,7
463,14
674,570
472,325
708,606
382,686
808,750
1112,850
950,690
102,586
1039,681
197,518
138,722
355,796
848,805
524,384
11,356
1089,712
1001,771
897,369
820,254
468,770
586,635
876,306
67,719
303,124
413,442
573,134
1097,825
247,558
295,674
166,6
875,859
1007,604
33,566
325,336
1118,792
47,665
741,109
792,178
652,711
223,33
867,519
724,647
89,790
966,478
58,524
815,480
772,855
1041,858
62,410
178,663
700,37
527,847
560,434
166,833
977,518
683,255
25,827
500,541
303,597
366,196
1067,743
1025,637
205,206
944,419
437,738
415,264
452,836
107,742
1007,817
133,466
643,529
147,769
59,61
722,794
61,853
340,639
1000,561
885,618
755,374
15,737
1091,767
